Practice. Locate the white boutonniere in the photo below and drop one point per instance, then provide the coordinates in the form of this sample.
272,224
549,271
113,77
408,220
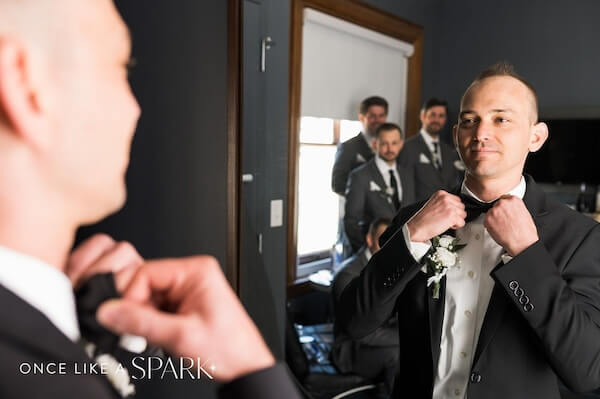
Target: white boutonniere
441,257
114,371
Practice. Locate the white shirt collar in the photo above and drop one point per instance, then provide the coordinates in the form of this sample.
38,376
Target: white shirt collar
368,254
517,191
42,286
383,166
428,139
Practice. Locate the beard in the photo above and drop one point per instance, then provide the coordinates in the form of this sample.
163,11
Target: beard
433,128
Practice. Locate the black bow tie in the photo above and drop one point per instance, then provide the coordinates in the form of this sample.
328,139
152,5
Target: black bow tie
474,207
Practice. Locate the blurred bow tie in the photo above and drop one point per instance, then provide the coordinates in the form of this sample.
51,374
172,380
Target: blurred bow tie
474,207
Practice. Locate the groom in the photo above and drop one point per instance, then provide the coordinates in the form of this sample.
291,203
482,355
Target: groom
67,117
521,310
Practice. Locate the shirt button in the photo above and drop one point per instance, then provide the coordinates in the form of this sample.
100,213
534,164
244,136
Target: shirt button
477,236
457,392
471,274
463,355
468,313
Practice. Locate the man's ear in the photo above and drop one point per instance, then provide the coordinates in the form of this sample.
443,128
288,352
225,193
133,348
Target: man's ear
455,136
374,145
422,117
539,135
369,240
19,107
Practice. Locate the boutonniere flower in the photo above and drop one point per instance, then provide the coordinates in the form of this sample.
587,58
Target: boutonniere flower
441,257
116,374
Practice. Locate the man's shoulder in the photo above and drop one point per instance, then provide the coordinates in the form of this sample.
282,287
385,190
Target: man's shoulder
353,142
364,170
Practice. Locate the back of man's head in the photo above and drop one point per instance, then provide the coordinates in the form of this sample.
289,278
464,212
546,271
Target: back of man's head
66,111
371,101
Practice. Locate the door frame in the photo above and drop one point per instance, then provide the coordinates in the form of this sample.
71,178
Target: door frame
371,18
234,107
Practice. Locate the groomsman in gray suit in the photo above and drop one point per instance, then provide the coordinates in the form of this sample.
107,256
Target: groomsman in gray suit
436,164
358,150
378,188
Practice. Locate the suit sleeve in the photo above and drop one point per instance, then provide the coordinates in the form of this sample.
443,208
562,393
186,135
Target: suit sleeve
271,383
369,300
354,211
341,169
562,309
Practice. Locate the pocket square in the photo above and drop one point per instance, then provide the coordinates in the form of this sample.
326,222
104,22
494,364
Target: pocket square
423,158
360,158
373,186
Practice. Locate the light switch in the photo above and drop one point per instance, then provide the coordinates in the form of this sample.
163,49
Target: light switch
276,213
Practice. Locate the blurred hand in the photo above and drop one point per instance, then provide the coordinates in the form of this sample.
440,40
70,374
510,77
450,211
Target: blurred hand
442,211
101,254
187,307
510,224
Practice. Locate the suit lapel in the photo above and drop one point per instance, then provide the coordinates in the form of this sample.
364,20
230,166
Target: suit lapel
378,178
535,201
436,319
364,149
27,327
425,150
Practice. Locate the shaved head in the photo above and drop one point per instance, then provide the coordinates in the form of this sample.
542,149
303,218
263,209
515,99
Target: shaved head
65,103
506,69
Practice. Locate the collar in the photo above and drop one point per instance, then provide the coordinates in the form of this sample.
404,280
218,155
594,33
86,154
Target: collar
368,254
42,286
368,139
383,166
517,191
428,139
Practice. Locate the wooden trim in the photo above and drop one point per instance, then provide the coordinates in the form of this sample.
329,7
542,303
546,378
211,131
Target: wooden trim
234,19
369,17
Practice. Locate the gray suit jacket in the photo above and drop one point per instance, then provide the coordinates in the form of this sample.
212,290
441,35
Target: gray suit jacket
350,155
364,205
427,178
344,347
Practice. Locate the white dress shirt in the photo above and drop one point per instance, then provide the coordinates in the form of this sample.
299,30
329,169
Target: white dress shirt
384,169
42,286
429,141
468,290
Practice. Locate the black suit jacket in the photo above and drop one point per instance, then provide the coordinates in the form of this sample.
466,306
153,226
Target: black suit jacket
522,350
364,205
428,179
344,347
27,336
350,155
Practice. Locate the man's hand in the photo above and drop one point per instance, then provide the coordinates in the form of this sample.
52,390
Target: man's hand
510,224
443,211
187,307
101,254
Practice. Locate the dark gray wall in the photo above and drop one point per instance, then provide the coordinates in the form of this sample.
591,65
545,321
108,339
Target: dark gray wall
177,176
554,44
176,179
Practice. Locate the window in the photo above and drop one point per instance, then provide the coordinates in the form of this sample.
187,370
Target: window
318,205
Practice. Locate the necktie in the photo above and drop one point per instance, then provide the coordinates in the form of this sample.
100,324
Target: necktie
436,156
394,185
474,208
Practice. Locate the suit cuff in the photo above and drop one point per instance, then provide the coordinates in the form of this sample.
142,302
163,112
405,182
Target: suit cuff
416,249
270,383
